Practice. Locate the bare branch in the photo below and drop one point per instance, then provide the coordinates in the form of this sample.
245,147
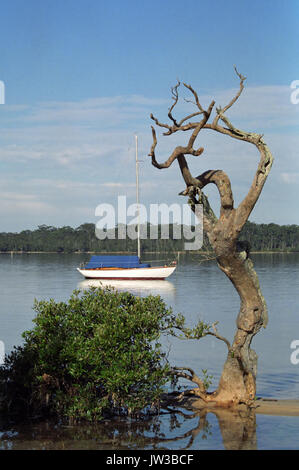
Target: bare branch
221,111
189,117
216,177
175,97
175,154
242,79
221,338
195,96
200,125
152,151
160,124
266,160
265,164
200,390
178,126
246,206
188,150
186,127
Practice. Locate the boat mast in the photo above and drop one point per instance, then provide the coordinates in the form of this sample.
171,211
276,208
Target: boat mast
137,198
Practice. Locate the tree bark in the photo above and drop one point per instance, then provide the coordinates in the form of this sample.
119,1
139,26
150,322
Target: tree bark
238,380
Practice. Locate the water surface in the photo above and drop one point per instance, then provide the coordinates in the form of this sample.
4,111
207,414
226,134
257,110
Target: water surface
199,291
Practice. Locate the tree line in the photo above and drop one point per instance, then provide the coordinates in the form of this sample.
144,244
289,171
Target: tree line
261,237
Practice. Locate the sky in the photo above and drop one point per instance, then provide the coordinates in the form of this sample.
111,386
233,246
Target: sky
83,76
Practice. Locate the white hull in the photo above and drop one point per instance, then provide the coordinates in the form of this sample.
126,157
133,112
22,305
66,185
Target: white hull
136,273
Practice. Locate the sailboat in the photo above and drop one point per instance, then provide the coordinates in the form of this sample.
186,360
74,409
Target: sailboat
123,267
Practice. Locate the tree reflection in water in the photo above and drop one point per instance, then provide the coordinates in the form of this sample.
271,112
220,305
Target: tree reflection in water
173,429
238,429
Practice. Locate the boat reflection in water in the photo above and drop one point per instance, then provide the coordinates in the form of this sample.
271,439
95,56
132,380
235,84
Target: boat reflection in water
136,287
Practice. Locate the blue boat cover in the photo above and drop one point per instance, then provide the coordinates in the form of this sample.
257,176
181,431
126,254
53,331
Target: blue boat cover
115,261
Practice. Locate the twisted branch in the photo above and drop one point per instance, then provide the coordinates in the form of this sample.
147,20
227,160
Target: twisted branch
216,177
188,150
200,390
175,154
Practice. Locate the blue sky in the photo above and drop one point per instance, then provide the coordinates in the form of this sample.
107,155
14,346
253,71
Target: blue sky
82,77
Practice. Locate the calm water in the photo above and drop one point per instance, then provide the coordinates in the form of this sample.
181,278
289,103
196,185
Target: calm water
198,291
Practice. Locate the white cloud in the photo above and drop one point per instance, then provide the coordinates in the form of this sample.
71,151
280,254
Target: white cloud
117,185
106,109
290,178
65,158
19,153
15,202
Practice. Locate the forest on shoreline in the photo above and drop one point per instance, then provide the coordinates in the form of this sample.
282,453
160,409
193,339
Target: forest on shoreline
169,238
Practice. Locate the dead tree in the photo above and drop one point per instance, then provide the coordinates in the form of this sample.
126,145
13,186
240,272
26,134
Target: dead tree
238,380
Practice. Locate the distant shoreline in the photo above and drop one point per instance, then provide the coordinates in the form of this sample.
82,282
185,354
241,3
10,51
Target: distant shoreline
169,238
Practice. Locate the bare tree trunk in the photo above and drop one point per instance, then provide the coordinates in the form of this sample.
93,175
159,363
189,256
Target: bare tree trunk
238,380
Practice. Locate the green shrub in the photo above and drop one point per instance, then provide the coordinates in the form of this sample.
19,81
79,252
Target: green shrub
96,354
